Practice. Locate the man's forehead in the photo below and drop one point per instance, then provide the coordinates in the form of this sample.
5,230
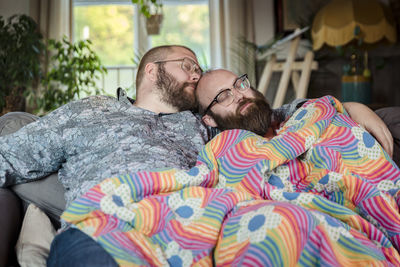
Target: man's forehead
180,52
212,83
222,79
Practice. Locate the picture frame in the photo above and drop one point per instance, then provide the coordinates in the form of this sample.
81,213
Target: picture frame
293,14
284,21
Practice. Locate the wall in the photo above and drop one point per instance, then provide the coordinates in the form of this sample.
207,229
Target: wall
11,7
264,24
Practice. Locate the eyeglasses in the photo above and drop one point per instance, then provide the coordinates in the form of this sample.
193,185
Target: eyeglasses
187,65
226,96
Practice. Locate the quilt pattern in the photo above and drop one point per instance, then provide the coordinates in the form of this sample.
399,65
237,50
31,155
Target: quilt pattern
322,192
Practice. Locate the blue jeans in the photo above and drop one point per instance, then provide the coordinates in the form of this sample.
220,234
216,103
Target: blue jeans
75,248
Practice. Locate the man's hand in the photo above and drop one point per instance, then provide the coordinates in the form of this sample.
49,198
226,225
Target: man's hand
364,116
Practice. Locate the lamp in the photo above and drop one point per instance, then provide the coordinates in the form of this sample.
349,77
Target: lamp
359,22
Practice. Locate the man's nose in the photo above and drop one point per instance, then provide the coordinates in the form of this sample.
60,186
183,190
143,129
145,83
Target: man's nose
195,76
238,95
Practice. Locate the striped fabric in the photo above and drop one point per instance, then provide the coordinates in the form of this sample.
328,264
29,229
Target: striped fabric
322,192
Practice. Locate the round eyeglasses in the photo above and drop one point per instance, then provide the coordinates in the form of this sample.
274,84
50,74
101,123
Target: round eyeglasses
187,64
226,96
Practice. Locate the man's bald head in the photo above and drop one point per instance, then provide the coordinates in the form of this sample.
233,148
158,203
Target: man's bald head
209,84
227,101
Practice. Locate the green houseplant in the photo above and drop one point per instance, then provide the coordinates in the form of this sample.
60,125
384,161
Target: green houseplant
21,49
148,7
73,70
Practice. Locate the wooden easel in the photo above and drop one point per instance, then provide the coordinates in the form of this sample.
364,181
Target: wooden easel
289,69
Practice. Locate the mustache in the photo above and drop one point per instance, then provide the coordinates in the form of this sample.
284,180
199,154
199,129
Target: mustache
244,102
193,84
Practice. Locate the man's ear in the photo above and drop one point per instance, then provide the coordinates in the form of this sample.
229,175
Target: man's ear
208,120
151,71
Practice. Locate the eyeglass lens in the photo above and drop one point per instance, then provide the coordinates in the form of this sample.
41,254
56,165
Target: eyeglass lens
190,66
242,83
226,97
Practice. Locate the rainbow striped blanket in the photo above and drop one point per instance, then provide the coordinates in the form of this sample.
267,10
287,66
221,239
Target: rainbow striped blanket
322,192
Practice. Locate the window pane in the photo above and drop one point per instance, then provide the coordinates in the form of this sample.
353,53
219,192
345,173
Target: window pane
110,28
186,25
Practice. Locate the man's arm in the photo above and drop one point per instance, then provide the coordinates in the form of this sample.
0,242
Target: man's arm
33,152
364,116
360,113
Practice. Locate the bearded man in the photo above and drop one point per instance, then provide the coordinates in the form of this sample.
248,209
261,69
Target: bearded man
227,101
97,137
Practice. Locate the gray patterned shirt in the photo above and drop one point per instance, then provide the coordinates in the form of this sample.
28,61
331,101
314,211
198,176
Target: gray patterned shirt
98,137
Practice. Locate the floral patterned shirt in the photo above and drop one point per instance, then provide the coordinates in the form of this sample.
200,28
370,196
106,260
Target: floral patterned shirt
100,137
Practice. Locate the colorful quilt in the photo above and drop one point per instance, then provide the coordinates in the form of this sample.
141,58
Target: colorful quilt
322,192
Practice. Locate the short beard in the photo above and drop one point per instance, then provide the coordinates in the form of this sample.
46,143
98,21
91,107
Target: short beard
173,93
257,117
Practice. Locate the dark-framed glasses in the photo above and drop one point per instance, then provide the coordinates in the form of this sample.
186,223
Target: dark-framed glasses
226,96
187,64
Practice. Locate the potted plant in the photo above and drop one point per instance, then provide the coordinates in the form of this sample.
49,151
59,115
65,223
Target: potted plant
73,70
20,55
153,23
152,10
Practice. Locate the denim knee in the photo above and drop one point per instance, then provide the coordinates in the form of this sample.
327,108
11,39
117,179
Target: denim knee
74,248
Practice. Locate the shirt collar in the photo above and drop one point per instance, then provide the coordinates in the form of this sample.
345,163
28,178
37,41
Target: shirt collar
123,97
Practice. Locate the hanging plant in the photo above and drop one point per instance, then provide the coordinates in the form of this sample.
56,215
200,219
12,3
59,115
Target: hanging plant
152,10
148,7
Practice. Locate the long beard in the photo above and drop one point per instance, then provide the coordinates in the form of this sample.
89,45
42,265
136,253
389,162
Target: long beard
257,117
173,93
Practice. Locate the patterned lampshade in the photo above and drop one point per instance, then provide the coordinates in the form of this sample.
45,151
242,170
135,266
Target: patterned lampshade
343,21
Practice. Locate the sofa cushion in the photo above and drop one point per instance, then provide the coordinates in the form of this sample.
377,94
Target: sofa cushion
37,233
46,193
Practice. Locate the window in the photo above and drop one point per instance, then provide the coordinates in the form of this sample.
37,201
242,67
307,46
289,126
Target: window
110,28
113,27
186,23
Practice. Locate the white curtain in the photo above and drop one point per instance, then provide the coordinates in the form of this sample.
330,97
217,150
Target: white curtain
54,17
231,23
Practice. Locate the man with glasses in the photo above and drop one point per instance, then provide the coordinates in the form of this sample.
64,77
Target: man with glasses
227,101
252,112
97,137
